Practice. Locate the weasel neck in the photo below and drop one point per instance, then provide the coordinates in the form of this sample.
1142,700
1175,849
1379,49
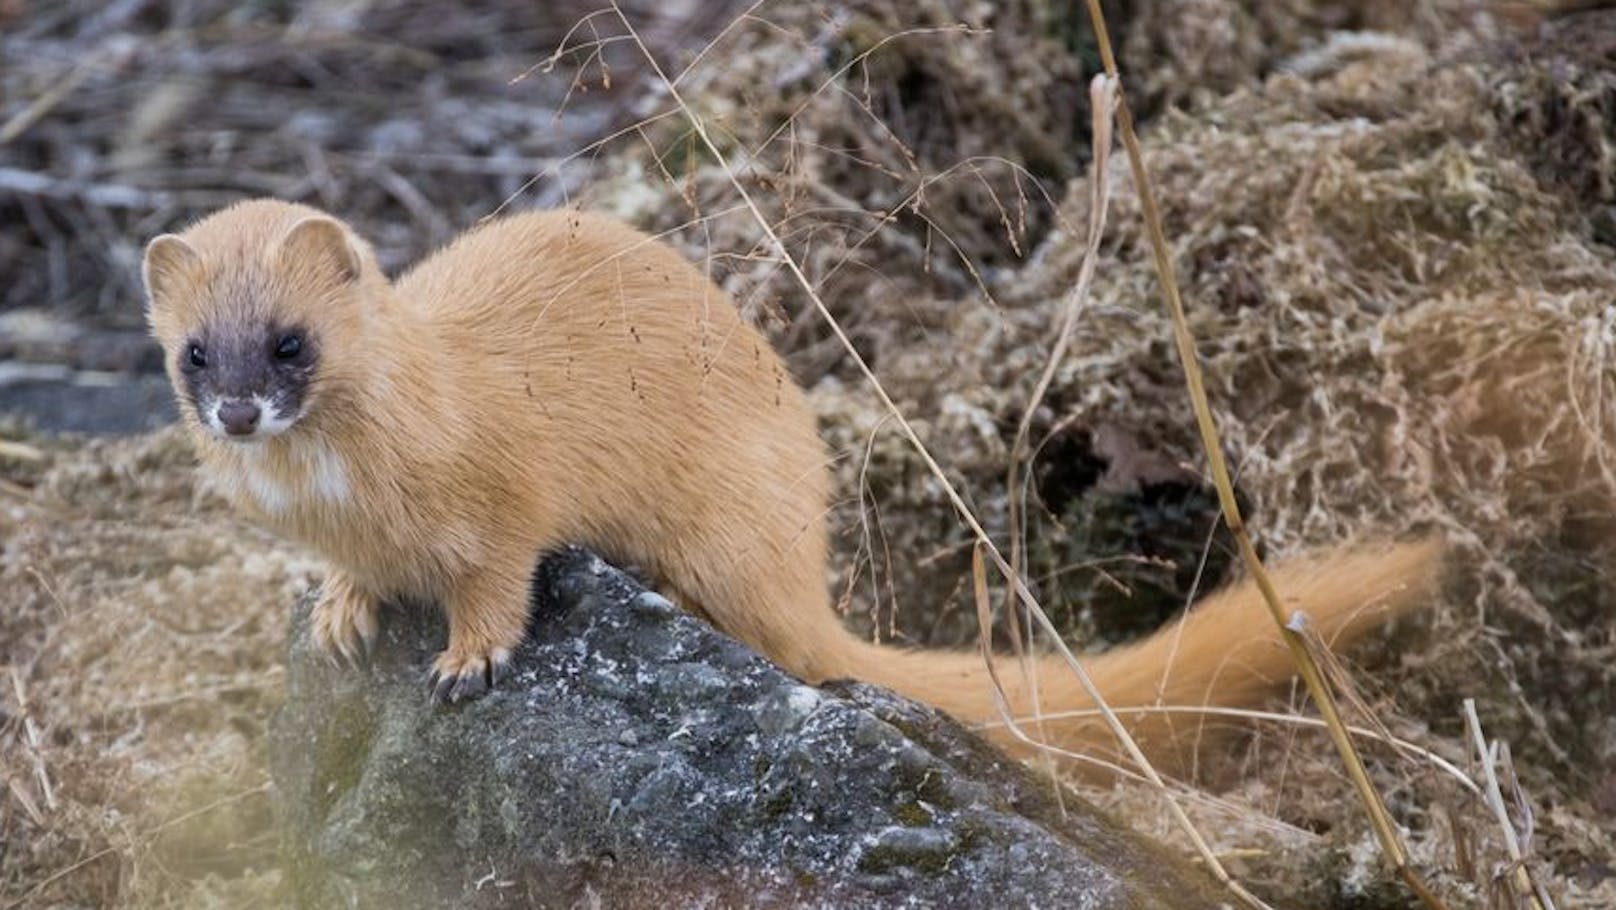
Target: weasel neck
398,384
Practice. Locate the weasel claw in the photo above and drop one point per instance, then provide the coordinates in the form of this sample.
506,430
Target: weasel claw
440,687
345,624
454,679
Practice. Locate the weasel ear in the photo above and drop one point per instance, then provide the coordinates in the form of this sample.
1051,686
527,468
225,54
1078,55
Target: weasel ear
320,245
170,263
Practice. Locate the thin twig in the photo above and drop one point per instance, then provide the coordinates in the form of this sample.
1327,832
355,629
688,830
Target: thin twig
105,195
31,733
1369,733
1526,886
984,637
1102,102
29,807
937,472
1391,843
20,451
48,100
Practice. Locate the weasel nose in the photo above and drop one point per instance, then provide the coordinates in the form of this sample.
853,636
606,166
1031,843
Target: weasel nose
240,418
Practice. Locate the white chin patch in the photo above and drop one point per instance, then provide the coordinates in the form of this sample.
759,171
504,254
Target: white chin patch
270,422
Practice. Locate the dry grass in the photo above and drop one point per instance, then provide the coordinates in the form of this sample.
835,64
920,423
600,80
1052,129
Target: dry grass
145,627
1394,272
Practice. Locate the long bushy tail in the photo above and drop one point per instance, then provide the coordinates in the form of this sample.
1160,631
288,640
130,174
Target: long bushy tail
1225,651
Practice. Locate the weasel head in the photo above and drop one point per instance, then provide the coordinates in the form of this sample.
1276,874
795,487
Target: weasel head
256,307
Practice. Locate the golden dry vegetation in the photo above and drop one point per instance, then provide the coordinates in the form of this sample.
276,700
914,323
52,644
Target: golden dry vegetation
1393,226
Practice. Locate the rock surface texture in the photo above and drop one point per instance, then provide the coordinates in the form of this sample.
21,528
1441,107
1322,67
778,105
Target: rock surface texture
638,758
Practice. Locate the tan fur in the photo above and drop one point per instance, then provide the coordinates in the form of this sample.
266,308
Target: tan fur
558,377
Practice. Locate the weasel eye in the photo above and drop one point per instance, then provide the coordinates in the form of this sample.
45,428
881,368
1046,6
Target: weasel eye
289,347
195,357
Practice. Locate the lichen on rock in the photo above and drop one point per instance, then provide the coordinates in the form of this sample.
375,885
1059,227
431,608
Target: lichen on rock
640,758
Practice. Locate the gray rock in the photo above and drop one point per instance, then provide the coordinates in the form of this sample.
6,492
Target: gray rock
58,375
638,758
54,399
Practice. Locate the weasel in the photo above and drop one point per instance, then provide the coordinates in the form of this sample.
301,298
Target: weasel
559,377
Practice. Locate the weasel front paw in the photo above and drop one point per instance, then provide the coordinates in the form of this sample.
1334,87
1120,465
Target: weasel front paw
465,673
345,620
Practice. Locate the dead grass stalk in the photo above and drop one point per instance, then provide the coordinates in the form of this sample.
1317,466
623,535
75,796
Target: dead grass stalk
1102,103
1391,844
1528,889
964,511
